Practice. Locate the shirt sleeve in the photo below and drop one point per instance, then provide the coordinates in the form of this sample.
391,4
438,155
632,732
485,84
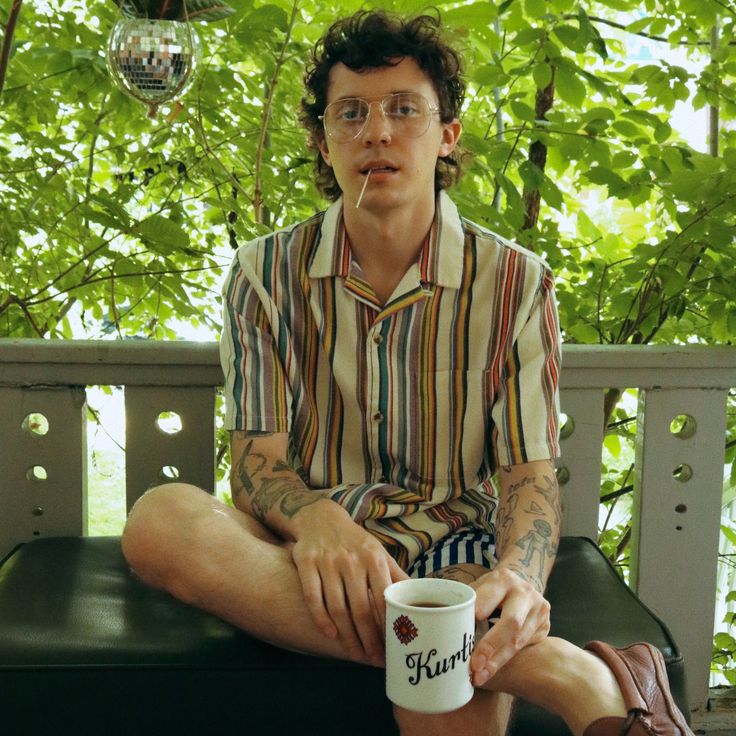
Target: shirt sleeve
526,412
256,390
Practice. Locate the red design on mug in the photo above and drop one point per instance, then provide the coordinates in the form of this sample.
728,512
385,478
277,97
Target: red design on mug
405,630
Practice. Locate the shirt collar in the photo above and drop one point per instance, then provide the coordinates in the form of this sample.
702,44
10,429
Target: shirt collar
440,261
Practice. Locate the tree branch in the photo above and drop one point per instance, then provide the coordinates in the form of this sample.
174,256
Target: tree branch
137,274
8,41
266,116
650,36
545,99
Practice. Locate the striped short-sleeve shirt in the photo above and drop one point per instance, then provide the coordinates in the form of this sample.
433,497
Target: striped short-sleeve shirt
403,409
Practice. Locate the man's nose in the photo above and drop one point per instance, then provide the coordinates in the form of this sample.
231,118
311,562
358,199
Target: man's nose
377,127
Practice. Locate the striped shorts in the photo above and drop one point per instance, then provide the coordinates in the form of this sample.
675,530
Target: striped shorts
465,545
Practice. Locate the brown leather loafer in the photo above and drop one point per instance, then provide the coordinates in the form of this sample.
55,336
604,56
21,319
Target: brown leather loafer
641,675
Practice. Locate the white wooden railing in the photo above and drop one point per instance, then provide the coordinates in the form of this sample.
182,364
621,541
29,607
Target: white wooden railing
678,475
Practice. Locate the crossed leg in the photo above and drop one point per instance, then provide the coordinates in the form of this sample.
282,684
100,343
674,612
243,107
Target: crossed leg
181,539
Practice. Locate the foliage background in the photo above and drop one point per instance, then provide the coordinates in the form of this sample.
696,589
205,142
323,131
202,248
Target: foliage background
113,224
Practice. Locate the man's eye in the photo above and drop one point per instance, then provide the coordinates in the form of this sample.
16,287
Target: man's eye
404,108
350,113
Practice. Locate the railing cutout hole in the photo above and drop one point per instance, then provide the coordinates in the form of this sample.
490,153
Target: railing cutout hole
169,422
37,474
563,475
567,426
683,426
683,473
35,424
169,472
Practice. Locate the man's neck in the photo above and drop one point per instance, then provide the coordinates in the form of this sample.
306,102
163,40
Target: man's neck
387,242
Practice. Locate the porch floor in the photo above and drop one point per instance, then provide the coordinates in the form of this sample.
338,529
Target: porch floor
719,718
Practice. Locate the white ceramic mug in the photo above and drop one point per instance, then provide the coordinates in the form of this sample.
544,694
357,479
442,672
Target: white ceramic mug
430,631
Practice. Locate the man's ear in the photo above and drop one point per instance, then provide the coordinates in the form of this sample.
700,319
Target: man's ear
450,136
322,146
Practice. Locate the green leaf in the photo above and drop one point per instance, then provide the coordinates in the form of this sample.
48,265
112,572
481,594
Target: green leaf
730,534
161,234
473,15
603,175
571,37
522,111
263,21
586,227
569,87
536,8
724,641
528,36
542,74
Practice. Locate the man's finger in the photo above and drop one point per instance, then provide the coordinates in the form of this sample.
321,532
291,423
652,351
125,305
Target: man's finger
314,599
379,578
337,607
363,619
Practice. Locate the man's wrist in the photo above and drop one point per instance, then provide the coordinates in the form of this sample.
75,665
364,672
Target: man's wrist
318,507
522,571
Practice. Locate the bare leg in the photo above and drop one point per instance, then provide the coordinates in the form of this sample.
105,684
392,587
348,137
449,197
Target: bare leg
205,553
487,714
564,679
181,539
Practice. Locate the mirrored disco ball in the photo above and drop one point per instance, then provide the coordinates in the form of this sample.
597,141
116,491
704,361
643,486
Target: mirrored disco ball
152,60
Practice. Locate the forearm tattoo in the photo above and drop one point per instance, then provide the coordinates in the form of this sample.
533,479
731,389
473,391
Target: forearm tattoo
267,488
535,531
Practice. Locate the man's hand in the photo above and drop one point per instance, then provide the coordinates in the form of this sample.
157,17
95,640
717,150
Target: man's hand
524,620
344,571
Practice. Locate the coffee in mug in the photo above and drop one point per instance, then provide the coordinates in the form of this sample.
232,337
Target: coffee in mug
430,632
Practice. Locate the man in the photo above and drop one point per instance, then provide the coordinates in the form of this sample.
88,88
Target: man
383,361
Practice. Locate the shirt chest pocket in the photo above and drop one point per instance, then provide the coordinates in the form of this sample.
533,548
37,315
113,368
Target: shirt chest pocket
448,420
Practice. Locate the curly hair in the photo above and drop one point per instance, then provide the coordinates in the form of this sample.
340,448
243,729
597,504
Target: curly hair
373,39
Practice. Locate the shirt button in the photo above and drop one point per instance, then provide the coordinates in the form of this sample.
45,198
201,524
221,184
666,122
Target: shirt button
378,417
378,339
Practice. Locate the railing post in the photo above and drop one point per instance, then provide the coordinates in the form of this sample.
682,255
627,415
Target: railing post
43,463
579,468
677,499
154,455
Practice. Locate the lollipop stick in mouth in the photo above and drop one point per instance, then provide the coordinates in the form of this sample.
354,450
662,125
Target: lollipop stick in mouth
362,191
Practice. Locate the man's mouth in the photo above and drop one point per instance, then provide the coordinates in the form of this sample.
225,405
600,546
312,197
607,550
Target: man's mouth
377,169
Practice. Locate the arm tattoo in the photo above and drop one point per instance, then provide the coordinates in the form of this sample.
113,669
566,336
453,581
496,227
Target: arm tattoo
538,542
245,475
551,494
265,490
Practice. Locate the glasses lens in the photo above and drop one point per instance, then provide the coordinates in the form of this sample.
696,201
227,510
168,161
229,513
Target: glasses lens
344,119
409,112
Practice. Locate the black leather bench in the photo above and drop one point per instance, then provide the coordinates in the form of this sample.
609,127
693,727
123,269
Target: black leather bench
87,648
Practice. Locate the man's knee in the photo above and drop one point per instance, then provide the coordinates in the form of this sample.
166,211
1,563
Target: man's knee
155,520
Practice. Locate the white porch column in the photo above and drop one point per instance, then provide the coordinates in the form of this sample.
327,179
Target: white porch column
676,514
